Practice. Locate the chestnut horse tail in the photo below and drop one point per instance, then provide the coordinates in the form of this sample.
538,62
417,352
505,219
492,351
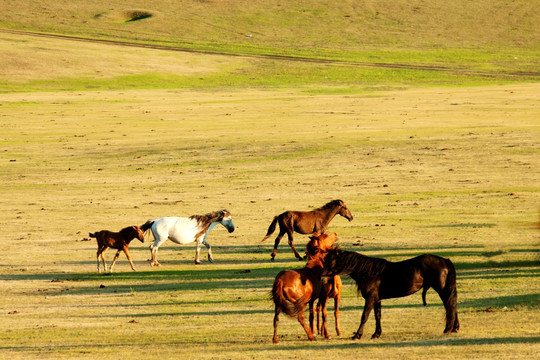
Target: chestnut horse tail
280,300
271,228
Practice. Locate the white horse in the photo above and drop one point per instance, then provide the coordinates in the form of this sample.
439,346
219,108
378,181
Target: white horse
183,230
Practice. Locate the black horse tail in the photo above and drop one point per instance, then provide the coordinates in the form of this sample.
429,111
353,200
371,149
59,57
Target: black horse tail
449,297
92,235
280,300
271,228
147,225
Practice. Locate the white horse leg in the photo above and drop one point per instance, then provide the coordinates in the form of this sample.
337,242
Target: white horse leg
153,256
154,248
209,248
197,253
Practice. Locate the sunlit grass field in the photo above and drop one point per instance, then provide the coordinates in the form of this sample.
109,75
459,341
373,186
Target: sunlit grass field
442,159
447,171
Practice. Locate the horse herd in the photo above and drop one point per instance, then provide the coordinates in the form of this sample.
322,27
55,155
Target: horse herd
293,290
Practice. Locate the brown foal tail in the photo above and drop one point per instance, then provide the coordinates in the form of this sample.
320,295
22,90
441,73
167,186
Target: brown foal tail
92,235
271,228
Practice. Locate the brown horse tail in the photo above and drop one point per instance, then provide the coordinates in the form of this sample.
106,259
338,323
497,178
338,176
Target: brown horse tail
92,235
271,228
279,298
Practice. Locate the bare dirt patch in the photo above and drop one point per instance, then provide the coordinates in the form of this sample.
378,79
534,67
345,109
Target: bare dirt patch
125,15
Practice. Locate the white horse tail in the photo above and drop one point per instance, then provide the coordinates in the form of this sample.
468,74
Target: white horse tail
146,226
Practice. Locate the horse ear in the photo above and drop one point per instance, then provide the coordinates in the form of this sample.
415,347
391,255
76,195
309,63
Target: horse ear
314,236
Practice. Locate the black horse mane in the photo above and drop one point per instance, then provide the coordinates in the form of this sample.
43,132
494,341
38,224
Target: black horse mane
358,266
331,204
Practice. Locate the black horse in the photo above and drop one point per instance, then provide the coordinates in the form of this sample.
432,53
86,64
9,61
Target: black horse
379,279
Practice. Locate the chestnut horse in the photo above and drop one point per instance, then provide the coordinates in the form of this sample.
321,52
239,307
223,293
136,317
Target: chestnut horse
294,289
116,240
330,289
305,222
379,279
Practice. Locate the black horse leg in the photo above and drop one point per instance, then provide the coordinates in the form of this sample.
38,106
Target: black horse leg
311,316
365,314
378,329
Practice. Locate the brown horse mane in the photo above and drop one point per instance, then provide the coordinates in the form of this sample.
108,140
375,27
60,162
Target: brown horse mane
126,231
205,220
331,204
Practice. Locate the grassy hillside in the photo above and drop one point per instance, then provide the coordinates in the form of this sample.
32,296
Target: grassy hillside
501,35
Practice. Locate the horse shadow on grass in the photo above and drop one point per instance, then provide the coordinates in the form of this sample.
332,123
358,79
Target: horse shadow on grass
448,341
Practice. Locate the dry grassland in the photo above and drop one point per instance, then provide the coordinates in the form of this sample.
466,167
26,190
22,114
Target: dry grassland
448,171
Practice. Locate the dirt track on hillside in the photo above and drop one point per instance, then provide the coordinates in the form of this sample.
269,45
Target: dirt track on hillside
420,67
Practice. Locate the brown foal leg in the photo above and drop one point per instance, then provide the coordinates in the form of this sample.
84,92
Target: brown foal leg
129,258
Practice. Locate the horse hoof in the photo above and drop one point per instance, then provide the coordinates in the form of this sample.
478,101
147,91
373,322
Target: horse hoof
197,263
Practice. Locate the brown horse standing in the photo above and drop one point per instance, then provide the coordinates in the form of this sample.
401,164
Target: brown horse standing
294,289
379,279
330,289
305,222
116,240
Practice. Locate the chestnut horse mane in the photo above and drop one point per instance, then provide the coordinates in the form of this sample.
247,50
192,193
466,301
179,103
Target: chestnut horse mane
204,221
